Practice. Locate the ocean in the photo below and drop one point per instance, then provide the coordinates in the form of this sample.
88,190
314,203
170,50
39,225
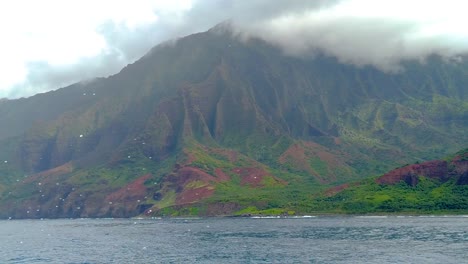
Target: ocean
321,239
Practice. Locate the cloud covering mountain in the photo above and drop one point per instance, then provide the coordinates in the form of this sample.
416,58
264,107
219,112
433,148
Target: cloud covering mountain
53,44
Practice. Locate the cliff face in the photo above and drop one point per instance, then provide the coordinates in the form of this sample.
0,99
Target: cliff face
225,124
430,187
440,170
409,174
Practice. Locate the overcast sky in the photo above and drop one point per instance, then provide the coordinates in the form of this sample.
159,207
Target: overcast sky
49,44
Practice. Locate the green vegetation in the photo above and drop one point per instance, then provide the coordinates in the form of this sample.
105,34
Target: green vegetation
211,103
429,196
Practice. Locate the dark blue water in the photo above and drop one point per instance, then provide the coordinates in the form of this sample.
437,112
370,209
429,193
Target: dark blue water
237,240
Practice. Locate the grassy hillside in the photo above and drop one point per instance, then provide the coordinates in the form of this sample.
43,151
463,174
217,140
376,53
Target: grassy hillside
430,187
165,125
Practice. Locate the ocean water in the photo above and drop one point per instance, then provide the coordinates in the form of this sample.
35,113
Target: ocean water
337,239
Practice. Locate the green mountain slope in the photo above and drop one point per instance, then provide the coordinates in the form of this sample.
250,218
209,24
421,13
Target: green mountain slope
438,186
167,127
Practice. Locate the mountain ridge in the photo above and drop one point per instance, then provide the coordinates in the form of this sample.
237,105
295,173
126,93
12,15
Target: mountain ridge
311,121
437,186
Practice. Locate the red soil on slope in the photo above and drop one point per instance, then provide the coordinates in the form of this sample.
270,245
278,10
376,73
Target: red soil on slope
432,169
251,176
132,192
185,175
221,175
299,156
193,195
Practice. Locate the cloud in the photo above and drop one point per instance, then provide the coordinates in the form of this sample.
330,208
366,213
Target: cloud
53,43
364,32
48,49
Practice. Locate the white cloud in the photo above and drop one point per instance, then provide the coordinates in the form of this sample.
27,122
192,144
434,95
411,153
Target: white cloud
57,34
51,43
366,32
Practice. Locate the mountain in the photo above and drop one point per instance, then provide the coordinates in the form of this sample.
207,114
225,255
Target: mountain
437,186
212,124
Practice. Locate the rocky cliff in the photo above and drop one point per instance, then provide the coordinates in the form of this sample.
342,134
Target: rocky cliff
213,122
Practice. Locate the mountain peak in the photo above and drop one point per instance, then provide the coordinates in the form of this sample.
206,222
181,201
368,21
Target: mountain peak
223,27
208,107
